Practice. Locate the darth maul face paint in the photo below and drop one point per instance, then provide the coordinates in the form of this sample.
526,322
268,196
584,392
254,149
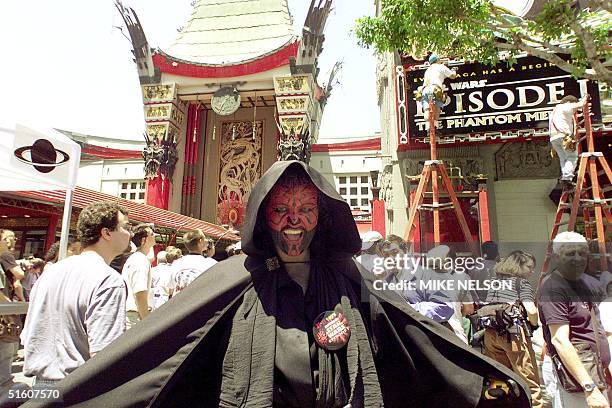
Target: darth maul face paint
292,214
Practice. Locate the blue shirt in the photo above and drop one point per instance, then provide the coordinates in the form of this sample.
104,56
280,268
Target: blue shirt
434,304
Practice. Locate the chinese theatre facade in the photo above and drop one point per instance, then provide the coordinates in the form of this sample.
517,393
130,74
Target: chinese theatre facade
493,139
236,91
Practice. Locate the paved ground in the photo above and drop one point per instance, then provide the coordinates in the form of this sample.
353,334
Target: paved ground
18,370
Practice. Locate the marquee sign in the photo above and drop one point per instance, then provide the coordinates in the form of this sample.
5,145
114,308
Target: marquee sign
500,98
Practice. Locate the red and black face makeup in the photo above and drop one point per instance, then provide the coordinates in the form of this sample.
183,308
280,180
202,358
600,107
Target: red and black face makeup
292,214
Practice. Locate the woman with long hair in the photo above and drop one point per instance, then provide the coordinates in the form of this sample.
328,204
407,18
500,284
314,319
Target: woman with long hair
511,344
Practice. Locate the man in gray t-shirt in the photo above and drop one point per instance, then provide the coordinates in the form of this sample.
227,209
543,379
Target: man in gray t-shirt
78,305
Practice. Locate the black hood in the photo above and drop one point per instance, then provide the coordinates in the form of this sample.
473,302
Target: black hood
336,234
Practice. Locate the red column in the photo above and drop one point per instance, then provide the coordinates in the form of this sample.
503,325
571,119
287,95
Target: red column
51,228
378,217
158,192
416,236
483,210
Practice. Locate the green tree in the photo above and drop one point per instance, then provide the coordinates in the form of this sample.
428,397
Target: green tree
574,35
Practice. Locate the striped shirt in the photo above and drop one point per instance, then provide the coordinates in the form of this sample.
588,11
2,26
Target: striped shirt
512,295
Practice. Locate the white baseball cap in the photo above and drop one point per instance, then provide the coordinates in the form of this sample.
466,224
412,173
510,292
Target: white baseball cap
438,252
369,238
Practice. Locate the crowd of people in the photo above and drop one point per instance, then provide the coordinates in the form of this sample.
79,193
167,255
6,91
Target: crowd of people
85,312
82,304
572,309
247,311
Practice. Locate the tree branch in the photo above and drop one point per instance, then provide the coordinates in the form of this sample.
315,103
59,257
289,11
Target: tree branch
554,48
483,31
590,49
521,40
603,4
525,33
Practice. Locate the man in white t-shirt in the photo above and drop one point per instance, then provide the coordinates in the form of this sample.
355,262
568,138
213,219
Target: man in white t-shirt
77,306
561,124
192,265
161,277
156,272
137,275
433,86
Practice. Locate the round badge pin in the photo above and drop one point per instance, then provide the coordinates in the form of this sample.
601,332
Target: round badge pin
331,330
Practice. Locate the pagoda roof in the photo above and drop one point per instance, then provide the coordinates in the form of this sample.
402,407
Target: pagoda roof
232,32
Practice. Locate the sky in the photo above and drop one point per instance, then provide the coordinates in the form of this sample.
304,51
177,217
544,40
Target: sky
66,65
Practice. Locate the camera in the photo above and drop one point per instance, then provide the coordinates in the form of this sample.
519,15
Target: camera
477,338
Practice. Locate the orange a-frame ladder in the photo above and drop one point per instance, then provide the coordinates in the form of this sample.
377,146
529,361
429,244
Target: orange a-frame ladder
433,169
594,206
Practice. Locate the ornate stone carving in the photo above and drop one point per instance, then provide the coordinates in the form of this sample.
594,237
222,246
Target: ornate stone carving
386,186
297,147
526,161
141,48
177,116
157,131
159,93
162,131
158,112
413,167
164,112
159,157
382,78
293,104
294,124
240,160
295,140
162,116
225,101
293,85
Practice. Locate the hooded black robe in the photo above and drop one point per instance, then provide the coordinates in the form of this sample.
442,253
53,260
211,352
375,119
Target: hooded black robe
175,357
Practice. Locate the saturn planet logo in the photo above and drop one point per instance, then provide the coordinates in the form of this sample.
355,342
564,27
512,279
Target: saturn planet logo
44,157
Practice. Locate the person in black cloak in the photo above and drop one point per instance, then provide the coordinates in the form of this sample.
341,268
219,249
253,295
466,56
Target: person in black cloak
241,335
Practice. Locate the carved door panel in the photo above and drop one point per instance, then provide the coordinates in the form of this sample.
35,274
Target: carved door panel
240,166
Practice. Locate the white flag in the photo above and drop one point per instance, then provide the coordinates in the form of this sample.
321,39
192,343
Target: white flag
32,160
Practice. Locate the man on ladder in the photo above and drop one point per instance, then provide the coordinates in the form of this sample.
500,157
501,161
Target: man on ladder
562,130
432,97
587,199
433,87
